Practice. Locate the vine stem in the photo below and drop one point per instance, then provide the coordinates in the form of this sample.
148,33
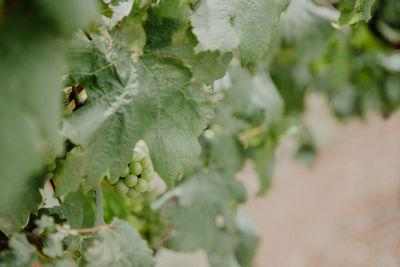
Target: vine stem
243,136
99,207
79,231
93,229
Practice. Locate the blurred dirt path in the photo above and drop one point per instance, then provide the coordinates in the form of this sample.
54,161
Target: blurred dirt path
343,212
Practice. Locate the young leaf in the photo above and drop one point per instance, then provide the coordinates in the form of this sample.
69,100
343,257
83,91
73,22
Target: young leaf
78,209
205,222
254,96
247,238
226,155
255,23
120,9
22,252
354,11
119,246
206,66
225,25
264,164
21,201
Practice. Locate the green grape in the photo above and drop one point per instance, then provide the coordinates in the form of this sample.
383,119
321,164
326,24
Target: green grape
141,144
121,187
135,168
131,180
51,167
137,155
113,183
151,186
132,193
148,175
125,172
146,162
141,186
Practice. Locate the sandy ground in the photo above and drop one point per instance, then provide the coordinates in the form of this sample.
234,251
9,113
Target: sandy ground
345,211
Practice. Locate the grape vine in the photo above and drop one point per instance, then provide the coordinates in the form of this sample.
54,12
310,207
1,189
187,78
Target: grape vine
125,122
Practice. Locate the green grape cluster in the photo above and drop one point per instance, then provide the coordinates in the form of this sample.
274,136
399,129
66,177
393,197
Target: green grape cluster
138,176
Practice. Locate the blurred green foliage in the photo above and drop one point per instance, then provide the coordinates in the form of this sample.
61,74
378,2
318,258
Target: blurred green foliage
208,84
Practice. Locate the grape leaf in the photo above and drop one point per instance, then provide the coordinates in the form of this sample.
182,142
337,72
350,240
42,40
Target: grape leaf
255,23
305,31
177,10
247,238
204,222
68,16
25,145
225,25
354,11
54,244
119,246
226,154
254,96
206,66
264,165
212,25
180,42
306,27
14,211
31,47
119,9
149,98
77,209
226,120
69,172
22,253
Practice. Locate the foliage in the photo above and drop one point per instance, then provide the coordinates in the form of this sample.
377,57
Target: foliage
119,244
353,11
206,84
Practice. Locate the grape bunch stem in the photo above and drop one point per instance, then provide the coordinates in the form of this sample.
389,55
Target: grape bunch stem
99,207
